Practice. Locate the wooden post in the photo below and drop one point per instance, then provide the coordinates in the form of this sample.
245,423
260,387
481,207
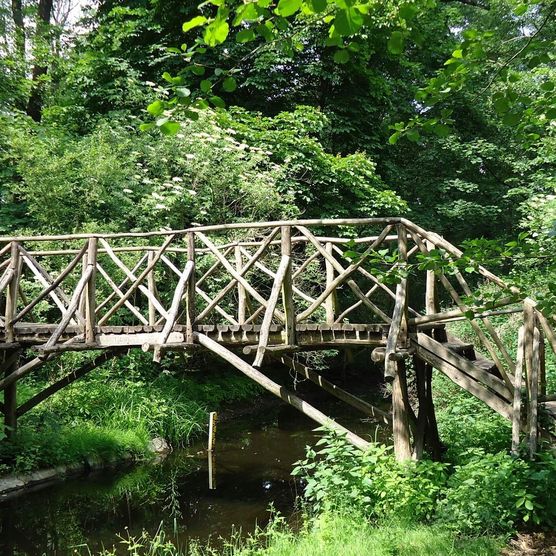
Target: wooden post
10,392
400,416
190,300
83,299
534,394
330,301
151,285
241,293
90,293
518,379
12,292
287,287
431,300
10,400
212,431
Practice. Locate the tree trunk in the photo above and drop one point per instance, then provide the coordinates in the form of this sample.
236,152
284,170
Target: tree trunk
17,16
34,105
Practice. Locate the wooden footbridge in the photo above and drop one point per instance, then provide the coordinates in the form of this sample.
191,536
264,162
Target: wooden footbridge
254,292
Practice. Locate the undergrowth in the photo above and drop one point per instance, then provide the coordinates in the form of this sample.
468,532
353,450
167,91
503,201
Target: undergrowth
115,411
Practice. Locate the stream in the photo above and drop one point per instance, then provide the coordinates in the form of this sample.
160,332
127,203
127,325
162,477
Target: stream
253,462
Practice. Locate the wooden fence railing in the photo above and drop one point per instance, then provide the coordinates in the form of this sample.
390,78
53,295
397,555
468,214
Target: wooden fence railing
288,274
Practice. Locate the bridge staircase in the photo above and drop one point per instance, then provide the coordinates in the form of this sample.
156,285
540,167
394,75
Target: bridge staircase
254,293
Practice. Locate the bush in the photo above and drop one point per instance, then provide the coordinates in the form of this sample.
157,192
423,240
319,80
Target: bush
339,476
483,493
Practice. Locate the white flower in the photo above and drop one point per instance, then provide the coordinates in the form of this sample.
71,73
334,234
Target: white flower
176,178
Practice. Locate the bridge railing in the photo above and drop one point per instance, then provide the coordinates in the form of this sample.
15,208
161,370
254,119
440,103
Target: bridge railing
281,275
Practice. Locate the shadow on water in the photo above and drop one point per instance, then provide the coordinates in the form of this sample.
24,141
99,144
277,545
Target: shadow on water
254,459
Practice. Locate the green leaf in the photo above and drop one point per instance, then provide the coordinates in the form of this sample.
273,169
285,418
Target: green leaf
216,32
550,114
511,118
155,108
548,86
395,43
167,77
217,101
457,53
197,70
341,56
520,9
393,139
501,105
318,6
195,22
529,505
287,8
408,11
170,128
182,92
146,127
413,135
245,35
441,130
205,85
229,84
348,22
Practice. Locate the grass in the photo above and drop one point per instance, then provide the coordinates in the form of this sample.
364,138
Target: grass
330,534
116,411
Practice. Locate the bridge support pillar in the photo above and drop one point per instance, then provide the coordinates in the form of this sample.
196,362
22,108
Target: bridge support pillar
400,414
9,408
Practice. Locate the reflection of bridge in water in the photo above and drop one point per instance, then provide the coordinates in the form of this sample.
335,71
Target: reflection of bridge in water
258,291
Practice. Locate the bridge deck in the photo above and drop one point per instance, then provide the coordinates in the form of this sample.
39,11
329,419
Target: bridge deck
307,335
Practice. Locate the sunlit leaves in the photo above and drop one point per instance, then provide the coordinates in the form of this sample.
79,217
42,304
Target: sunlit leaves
192,23
156,108
216,32
286,8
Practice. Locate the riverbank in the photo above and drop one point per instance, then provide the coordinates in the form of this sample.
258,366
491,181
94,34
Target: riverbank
114,413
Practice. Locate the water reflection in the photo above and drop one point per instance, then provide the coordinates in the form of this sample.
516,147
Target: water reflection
252,470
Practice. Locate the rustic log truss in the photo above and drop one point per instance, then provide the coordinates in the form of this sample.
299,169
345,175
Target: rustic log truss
258,292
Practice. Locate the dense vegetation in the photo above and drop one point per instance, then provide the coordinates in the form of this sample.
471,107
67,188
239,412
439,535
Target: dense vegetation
113,119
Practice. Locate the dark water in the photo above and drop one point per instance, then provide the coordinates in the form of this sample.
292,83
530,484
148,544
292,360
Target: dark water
253,463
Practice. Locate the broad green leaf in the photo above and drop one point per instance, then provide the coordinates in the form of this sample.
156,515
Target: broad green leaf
205,85
245,35
501,105
341,56
395,43
198,70
520,9
146,127
195,22
551,114
442,130
167,77
318,6
457,53
182,92
287,8
216,32
408,11
170,128
155,108
217,101
394,138
246,12
229,84
348,22
548,86
413,135
511,118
